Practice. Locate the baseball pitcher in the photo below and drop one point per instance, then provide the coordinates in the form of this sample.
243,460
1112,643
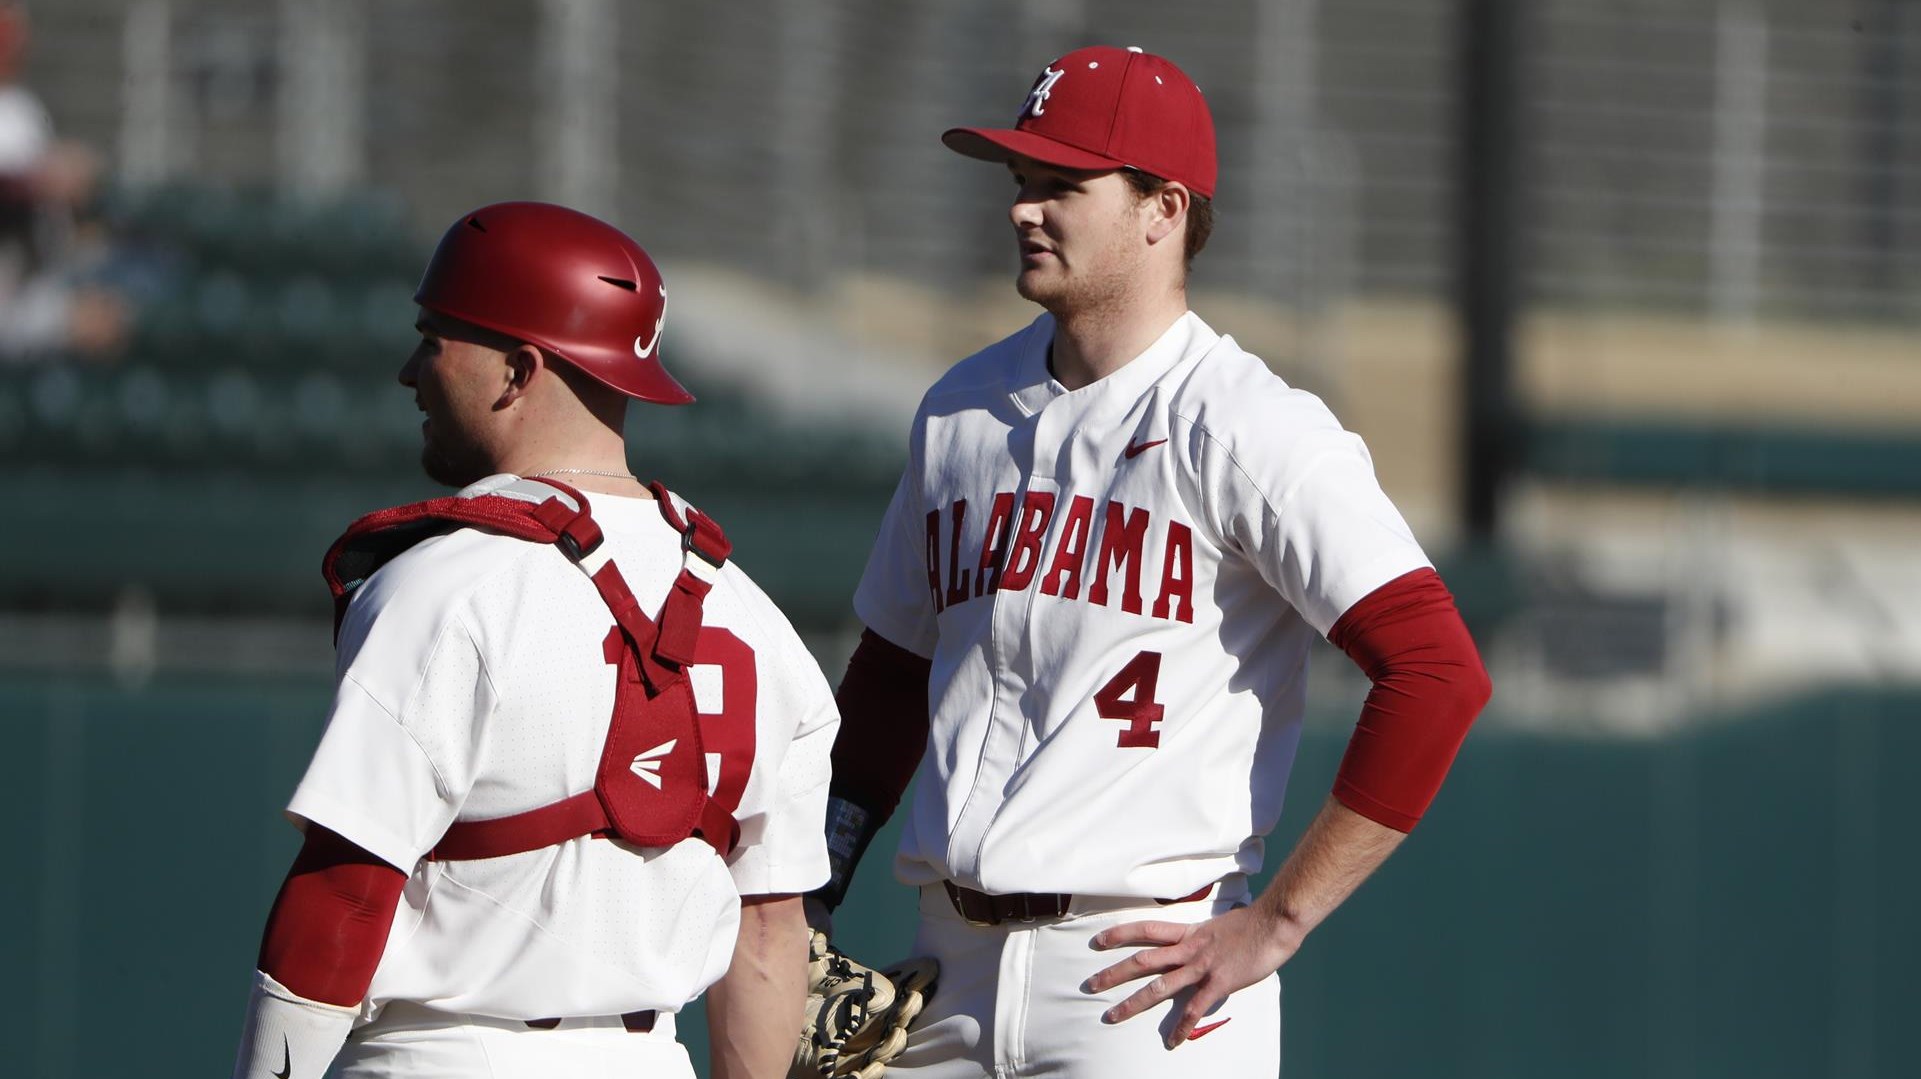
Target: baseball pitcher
1088,616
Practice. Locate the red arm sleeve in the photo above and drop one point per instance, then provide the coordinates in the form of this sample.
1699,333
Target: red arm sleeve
329,923
1428,686
883,724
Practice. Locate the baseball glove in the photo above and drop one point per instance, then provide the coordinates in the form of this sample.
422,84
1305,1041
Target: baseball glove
857,1017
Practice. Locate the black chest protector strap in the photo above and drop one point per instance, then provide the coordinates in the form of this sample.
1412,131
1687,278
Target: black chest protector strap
651,787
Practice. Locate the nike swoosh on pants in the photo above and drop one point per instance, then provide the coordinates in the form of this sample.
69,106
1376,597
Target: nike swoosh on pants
1209,1028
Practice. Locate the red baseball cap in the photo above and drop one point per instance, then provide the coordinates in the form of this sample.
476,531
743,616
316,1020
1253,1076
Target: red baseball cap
1104,108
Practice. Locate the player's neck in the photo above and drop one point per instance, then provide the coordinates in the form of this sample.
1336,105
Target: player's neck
593,467
1091,344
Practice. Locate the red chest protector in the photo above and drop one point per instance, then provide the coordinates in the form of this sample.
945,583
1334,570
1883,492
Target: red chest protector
651,788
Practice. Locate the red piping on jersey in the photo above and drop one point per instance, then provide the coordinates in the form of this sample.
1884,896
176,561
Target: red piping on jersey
1429,685
883,724
328,926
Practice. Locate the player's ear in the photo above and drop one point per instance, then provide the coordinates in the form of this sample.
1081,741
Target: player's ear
1167,209
524,366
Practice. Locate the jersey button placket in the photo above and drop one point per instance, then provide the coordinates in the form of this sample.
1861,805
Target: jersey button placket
1012,657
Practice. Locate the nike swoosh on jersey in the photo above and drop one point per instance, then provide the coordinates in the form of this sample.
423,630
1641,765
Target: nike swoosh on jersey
286,1060
1136,449
1209,1028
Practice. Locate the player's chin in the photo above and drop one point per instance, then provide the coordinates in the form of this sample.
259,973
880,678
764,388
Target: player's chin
1038,284
449,470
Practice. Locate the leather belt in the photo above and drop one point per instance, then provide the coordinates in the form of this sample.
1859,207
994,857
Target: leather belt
980,908
634,1022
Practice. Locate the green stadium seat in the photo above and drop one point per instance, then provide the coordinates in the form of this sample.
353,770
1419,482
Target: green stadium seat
223,305
167,331
306,311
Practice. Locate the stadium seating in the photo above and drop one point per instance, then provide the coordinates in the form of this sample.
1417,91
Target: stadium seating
255,414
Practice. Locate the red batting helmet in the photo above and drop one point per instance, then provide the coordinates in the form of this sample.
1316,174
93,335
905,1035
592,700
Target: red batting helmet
557,278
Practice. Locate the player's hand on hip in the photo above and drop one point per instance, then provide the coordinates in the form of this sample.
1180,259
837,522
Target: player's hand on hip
1212,958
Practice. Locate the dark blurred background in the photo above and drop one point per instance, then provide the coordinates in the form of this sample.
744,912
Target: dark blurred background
1624,297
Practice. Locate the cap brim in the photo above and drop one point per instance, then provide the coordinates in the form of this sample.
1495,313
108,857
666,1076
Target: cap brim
1001,144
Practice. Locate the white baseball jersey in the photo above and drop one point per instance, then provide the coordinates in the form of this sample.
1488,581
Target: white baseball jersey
473,684
1116,699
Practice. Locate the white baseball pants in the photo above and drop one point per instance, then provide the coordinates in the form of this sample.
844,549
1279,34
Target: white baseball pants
1010,1005
410,1042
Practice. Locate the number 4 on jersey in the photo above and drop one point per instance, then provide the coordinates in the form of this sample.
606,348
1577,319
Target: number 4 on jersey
1141,712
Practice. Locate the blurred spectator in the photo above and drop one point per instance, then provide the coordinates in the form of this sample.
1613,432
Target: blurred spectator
46,186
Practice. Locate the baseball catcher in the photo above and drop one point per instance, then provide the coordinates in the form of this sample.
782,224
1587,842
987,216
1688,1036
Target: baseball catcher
559,706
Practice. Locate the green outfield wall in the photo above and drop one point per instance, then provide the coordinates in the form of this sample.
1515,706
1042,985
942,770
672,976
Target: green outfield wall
1736,900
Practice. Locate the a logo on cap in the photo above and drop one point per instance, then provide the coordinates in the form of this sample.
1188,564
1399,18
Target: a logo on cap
1037,97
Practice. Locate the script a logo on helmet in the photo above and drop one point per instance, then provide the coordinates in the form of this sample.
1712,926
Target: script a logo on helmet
1036,102
647,765
659,324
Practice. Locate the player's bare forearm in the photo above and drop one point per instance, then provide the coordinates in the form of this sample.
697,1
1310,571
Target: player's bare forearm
754,1011
1339,850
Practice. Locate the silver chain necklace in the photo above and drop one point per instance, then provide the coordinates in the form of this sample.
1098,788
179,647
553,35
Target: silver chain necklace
583,472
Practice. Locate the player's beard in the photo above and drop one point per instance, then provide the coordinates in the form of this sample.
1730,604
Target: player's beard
1067,294
1093,281
451,459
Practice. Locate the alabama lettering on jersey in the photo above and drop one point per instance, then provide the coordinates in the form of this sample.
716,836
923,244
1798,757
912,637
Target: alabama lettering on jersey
475,683
1010,552
1118,587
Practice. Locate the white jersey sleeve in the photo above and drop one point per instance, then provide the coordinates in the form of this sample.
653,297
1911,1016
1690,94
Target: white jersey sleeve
1297,495
893,598
788,854
392,771
783,841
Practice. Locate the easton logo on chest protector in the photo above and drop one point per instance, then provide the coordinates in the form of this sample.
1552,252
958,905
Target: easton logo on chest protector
651,786
647,765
